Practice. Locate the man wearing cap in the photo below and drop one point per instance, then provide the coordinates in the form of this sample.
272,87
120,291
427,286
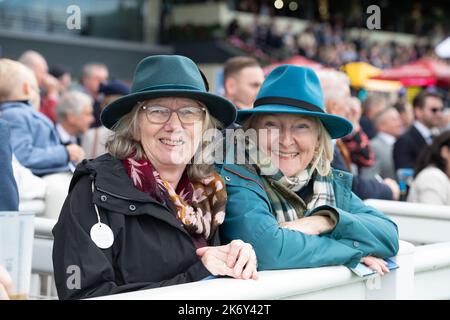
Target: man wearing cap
94,140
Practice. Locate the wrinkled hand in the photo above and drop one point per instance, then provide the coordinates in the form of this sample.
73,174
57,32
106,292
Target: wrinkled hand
5,284
236,259
393,185
377,264
312,225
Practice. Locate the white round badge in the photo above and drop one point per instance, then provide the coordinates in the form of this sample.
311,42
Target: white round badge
102,235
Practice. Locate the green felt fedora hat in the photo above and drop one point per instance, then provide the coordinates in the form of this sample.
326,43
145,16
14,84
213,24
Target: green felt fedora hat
168,76
291,89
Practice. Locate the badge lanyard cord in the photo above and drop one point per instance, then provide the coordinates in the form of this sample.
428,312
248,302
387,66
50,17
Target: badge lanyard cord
95,206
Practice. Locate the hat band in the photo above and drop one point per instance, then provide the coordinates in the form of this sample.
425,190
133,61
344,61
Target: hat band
288,101
170,87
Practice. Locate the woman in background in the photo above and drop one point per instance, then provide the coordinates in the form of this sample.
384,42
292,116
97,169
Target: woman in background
432,178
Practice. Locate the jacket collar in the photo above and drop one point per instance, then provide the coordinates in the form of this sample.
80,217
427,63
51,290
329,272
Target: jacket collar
240,175
110,177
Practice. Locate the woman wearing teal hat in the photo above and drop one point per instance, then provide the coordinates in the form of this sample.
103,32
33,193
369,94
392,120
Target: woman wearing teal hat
143,215
287,201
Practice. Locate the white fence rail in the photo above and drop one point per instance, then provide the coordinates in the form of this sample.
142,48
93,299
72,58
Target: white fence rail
417,222
42,282
316,283
432,271
424,273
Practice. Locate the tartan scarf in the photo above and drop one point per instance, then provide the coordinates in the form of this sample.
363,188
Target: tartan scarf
286,204
200,205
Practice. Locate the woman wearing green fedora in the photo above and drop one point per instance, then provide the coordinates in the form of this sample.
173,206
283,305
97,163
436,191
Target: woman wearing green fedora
142,216
287,201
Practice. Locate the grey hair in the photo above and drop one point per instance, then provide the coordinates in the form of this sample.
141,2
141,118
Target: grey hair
88,69
72,102
323,156
124,141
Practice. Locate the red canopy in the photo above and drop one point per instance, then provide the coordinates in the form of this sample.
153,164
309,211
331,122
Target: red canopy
422,72
296,60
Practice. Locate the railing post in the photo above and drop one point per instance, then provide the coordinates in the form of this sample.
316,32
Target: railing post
399,283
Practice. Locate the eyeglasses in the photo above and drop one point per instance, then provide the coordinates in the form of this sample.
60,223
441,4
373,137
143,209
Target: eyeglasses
436,110
187,115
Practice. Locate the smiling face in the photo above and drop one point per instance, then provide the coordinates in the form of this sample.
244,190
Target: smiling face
291,140
171,144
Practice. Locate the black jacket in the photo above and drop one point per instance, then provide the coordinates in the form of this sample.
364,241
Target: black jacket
150,249
407,148
365,188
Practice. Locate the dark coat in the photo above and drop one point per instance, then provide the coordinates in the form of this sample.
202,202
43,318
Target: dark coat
9,197
365,188
368,127
151,248
407,148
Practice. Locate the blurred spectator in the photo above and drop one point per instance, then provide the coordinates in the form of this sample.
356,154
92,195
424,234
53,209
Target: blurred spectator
406,113
389,127
243,77
62,74
74,116
233,28
9,197
34,139
357,143
372,106
432,174
93,141
336,92
93,74
428,111
447,119
48,84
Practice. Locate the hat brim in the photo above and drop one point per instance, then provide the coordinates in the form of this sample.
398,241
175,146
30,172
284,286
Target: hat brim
336,126
219,107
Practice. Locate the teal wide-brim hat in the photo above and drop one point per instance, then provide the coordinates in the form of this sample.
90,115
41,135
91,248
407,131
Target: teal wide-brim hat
295,90
168,76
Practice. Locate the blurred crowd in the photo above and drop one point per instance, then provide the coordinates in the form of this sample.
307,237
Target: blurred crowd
54,123
331,45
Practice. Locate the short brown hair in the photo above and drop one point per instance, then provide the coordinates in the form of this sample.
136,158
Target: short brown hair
236,64
419,100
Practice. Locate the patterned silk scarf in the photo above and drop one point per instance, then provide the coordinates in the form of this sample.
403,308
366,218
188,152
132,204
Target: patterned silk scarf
200,205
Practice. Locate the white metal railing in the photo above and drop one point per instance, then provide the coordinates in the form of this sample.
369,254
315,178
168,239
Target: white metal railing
432,271
418,223
424,273
336,282
42,282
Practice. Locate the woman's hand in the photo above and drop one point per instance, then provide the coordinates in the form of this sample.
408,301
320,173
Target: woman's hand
377,264
236,259
5,284
312,225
